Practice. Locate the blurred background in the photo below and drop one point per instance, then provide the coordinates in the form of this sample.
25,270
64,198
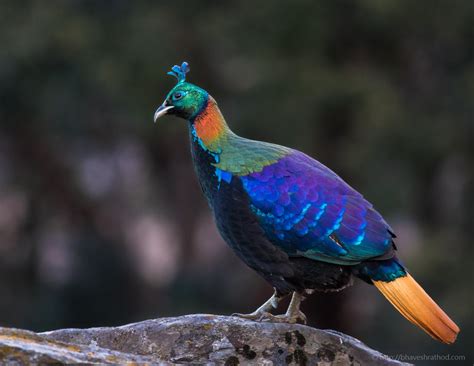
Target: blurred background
102,221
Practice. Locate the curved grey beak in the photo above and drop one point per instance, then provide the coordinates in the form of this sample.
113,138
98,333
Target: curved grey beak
161,111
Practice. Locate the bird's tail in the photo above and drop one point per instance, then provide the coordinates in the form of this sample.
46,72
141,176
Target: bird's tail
409,298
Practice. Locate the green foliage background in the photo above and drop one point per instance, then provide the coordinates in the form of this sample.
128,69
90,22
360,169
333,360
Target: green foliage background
101,219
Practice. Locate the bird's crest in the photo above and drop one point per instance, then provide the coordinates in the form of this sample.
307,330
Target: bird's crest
179,72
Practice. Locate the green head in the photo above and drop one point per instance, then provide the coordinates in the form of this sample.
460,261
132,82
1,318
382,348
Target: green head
185,100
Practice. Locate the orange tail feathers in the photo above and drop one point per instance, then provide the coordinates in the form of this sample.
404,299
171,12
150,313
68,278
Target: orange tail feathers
414,303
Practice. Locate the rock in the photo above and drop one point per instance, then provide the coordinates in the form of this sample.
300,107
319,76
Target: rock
195,339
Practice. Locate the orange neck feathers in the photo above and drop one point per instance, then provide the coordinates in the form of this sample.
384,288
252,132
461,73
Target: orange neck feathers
210,125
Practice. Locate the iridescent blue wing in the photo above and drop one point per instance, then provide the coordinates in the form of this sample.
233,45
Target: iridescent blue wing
308,210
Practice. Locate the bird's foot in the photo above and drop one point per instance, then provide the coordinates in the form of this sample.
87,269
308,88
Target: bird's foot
257,316
263,312
297,317
264,316
293,314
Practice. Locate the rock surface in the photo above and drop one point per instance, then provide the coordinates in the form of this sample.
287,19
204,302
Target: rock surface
191,339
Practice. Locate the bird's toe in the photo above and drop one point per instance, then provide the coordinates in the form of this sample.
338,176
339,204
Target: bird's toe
255,316
298,317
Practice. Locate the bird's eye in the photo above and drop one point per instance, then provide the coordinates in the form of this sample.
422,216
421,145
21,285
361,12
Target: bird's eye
178,95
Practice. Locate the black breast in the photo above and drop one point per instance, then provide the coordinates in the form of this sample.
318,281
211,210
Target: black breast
205,171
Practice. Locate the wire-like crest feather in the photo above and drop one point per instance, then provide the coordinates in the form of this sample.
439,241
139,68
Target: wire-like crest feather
179,72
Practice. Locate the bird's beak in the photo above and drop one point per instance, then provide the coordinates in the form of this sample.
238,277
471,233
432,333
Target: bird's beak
161,111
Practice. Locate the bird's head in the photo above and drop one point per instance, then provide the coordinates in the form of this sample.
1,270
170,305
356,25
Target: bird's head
185,100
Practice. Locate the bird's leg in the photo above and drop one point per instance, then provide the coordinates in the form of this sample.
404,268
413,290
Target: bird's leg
293,313
263,312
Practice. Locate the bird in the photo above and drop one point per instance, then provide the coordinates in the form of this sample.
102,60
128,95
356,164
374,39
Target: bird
292,219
